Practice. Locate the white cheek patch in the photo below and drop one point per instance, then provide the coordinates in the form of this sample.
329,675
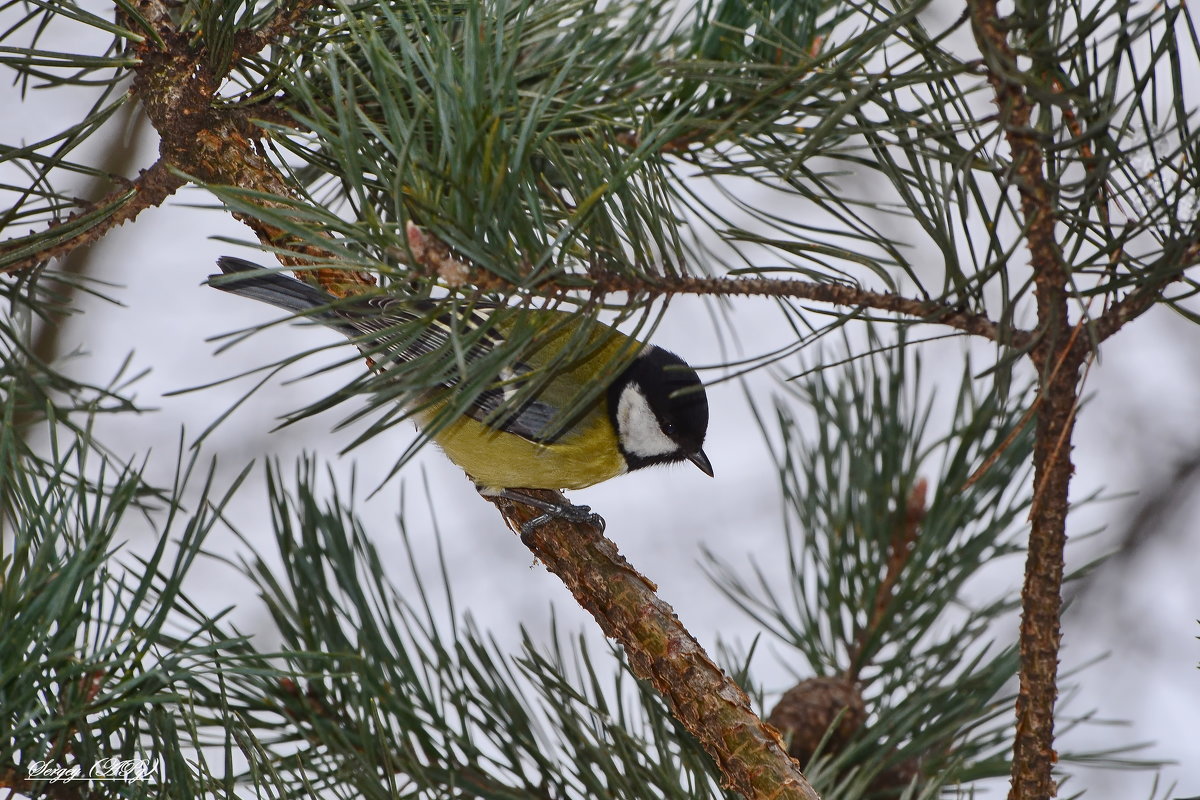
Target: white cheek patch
638,427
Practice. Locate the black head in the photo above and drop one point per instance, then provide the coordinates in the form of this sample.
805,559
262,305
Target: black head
660,411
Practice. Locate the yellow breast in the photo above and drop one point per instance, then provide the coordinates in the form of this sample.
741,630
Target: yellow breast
586,454
497,460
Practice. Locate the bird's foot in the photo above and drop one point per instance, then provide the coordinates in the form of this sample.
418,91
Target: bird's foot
550,510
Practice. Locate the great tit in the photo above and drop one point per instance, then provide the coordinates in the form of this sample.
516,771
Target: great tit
653,412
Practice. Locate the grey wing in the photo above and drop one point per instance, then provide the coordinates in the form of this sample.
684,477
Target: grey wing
531,419
375,315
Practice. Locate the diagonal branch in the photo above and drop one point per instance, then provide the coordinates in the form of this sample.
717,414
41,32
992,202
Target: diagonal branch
749,753
151,188
1141,299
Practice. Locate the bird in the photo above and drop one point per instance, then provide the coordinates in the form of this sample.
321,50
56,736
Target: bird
653,411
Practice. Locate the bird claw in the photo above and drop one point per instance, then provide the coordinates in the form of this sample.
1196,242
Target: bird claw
568,512
563,510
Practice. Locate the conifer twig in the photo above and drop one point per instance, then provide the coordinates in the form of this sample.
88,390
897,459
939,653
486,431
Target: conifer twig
900,548
1140,299
839,294
153,186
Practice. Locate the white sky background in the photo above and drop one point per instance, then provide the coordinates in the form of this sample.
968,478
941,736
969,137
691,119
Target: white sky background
1138,425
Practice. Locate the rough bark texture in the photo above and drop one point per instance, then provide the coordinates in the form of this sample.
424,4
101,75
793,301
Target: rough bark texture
1057,355
750,754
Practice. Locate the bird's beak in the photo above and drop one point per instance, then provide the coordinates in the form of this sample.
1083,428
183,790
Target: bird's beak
700,460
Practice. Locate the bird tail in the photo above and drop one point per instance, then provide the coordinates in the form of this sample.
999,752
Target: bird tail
270,287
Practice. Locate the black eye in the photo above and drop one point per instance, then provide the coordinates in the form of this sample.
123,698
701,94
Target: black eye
668,428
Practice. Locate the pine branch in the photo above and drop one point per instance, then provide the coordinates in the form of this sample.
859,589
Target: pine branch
177,88
1141,299
1058,375
838,294
714,709
434,257
151,188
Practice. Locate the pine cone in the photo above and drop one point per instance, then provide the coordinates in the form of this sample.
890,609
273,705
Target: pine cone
806,711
